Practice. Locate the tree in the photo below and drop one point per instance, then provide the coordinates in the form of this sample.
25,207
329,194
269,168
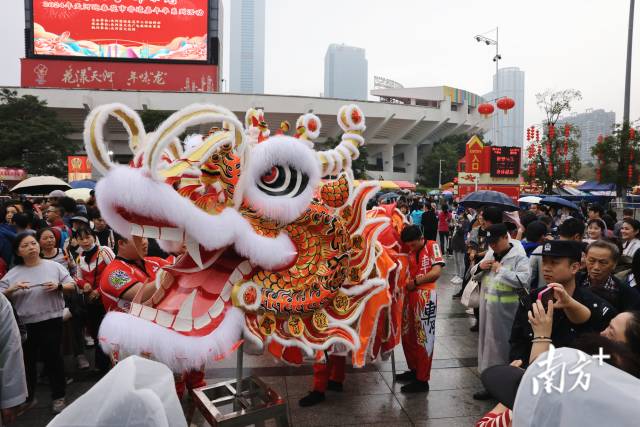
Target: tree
617,157
359,165
32,136
554,158
448,149
153,118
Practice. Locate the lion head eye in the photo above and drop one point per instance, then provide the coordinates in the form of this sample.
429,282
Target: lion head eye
283,181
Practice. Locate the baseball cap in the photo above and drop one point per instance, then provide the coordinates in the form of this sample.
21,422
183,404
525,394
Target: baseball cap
57,193
80,219
495,232
563,249
502,383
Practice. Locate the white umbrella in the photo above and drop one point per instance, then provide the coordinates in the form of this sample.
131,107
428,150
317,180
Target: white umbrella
530,199
40,185
79,193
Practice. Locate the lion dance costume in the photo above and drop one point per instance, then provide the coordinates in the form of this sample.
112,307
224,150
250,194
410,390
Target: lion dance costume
276,256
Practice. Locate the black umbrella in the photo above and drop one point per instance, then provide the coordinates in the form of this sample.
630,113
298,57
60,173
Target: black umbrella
559,202
482,198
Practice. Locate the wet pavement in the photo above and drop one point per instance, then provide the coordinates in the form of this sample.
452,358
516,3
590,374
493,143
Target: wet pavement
370,397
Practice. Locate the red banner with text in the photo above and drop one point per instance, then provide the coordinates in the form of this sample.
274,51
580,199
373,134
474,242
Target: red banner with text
119,75
79,168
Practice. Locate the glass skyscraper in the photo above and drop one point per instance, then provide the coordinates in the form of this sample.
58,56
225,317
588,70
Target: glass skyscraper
247,46
510,127
345,72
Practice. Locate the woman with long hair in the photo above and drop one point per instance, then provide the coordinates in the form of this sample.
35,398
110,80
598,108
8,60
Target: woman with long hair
35,287
630,234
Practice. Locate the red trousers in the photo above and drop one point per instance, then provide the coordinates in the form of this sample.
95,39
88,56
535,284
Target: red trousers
189,380
419,330
332,370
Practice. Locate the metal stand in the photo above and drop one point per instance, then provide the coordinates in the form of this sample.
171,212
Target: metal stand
239,402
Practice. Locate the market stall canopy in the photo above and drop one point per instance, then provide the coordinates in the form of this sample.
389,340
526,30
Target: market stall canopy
83,183
40,185
482,198
598,188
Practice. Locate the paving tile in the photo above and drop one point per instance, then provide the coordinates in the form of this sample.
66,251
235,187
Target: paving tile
444,404
383,409
363,383
443,379
448,422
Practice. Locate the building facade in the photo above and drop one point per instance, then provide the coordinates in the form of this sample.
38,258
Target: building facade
591,124
345,72
395,130
507,129
247,46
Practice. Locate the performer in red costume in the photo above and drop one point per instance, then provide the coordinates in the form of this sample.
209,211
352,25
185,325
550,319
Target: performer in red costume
326,376
419,316
131,272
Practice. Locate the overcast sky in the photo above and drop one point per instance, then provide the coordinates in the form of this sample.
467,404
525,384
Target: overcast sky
560,44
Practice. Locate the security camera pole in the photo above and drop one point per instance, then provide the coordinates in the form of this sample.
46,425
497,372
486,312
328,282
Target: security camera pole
480,38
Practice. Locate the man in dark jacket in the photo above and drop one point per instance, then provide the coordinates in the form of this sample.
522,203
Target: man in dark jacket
429,223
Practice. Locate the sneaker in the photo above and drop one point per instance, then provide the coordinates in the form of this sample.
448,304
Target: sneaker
406,376
26,406
313,398
58,405
415,387
82,362
469,311
334,386
482,395
89,341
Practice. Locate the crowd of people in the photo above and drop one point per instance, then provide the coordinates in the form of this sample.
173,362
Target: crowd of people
542,277
545,277
61,269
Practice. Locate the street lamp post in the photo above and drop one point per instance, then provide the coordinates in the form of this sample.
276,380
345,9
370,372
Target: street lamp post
440,174
481,38
621,190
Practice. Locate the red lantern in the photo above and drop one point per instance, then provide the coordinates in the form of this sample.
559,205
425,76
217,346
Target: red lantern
567,130
632,133
566,147
549,149
550,170
505,104
485,109
552,131
566,167
537,135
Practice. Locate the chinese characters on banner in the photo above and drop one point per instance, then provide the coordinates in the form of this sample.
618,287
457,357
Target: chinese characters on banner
78,167
119,76
505,162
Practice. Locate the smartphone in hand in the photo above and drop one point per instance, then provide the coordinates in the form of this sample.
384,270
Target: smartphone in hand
545,295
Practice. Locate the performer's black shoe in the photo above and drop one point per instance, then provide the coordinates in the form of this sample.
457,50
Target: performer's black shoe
313,398
415,387
482,395
457,295
405,377
334,386
475,328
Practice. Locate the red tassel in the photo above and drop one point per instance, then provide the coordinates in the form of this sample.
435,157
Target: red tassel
566,167
566,147
550,169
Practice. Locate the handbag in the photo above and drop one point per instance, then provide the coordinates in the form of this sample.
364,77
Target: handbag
471,295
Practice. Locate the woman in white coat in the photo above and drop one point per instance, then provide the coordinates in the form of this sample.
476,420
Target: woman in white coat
502,272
